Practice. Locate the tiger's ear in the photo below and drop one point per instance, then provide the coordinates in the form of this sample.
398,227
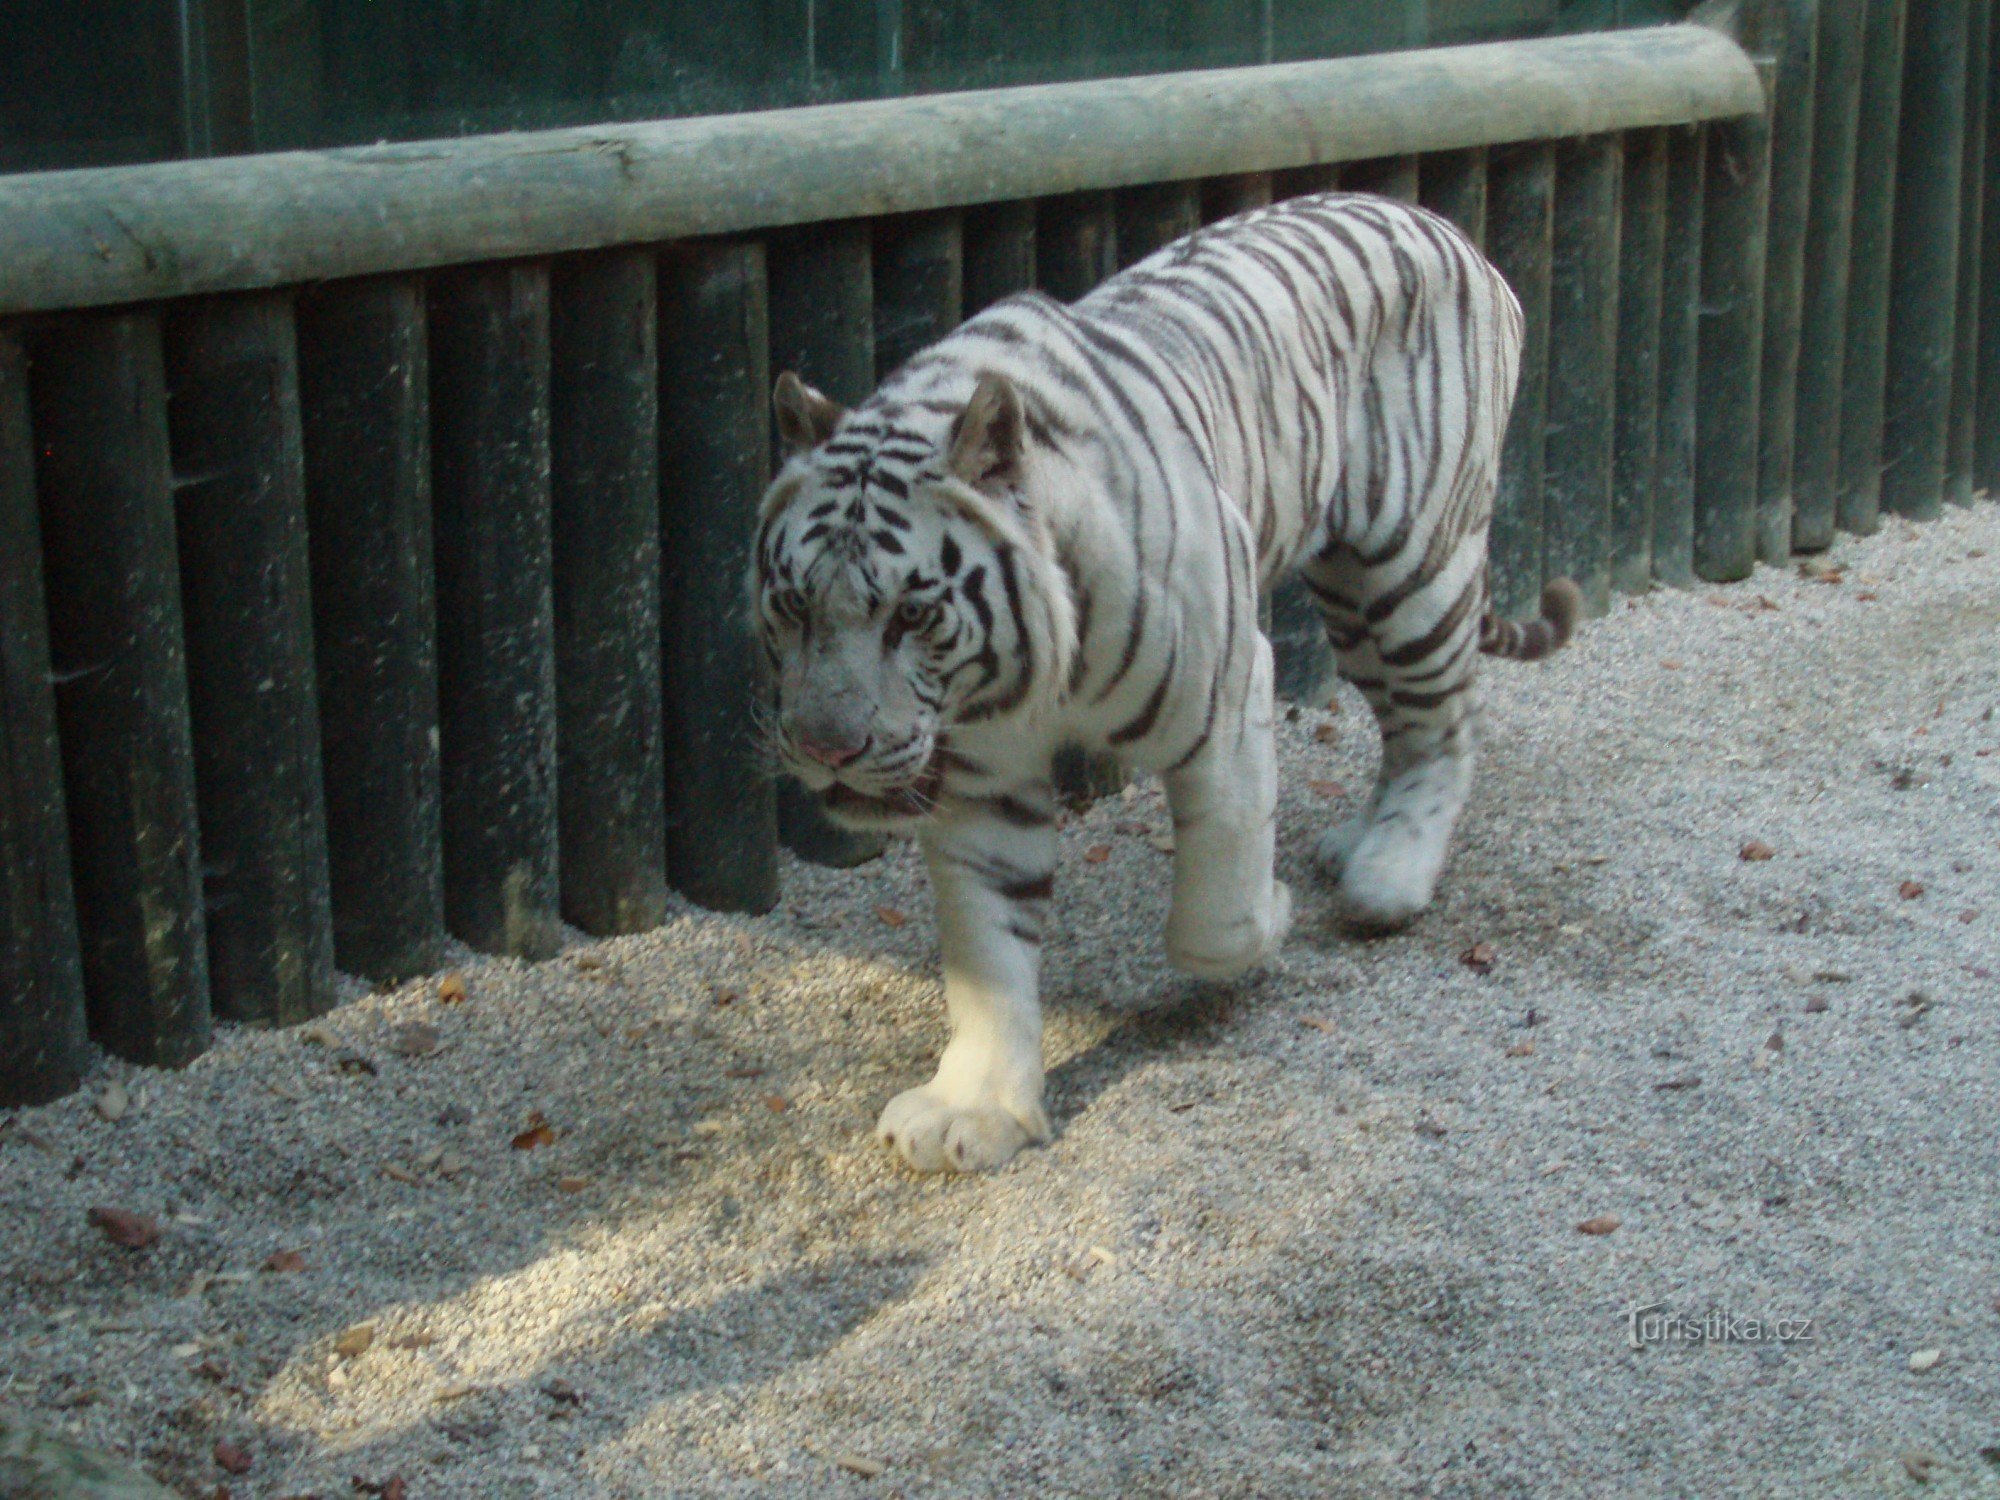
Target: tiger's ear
805,417
987,438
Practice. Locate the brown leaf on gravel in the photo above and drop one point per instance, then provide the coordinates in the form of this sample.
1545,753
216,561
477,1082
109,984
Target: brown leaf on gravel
1755,850
354,1341
123,1227
231,1458
1327,734
1970,914
421,1339
1867,596
1670,664
1909,890
1480,958
891,917
777,1104
1326,789
572,1184
1601,1224
867,1468
1521,1049
414,1040
1097,854
1815,1004
538,1132
282,1262
451,989
721,995
1319,1023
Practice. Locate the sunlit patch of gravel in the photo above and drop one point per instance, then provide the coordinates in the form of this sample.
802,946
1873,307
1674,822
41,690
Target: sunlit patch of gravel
1311,1235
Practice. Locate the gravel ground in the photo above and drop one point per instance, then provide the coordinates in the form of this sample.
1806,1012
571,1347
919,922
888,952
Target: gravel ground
1317,1234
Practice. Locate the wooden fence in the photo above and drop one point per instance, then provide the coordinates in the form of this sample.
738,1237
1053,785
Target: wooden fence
373,522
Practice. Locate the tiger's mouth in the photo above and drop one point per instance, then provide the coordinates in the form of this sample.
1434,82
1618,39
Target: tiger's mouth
898,805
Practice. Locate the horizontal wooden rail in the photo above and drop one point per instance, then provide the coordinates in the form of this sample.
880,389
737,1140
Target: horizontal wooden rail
125,234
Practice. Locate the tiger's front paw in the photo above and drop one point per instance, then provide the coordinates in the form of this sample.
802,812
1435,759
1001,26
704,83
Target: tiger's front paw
935,1134
1212,950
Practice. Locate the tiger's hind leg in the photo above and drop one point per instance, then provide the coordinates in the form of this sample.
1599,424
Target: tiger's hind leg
1413,653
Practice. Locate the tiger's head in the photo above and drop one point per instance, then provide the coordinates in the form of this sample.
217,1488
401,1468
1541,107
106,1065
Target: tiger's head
905,585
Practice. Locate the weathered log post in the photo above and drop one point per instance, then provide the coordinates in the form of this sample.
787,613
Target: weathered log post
246,597
43,1033
1520,217
98,399
1636,450
1583,367
364,395
715,462
604,433
1680,318
489,331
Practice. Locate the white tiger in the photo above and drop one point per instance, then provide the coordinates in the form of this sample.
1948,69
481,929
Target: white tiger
1051,527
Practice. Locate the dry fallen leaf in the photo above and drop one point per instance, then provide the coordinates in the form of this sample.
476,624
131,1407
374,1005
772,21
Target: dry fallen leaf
777,1104
1327,734
451,988
538,1132
1521,1049
456,1392
1909,890
1319,1023
1327,789
354,1341
891,917
867,1468
1480,958
282,1261
232,1458
724,996
1755,850
1601,1224
1923,1359
572,1184
122,1227
420,1339
1097,854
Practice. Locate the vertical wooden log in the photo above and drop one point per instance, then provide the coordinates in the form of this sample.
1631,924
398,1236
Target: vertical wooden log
43,1033
822,321
1385,176
1302,182
1923,274
1453,183
1076,243
1226,197
1635,461
604,433
246,595
1863,376
1520,216
1823,306
1730,348
1151,218
999,253
1784,271
1680,306
99,413
1583,367
1986,417
715,393
919,284
364,395
489,330
1963,433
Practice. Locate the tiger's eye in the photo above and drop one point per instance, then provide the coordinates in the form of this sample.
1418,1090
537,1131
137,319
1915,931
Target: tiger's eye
914,613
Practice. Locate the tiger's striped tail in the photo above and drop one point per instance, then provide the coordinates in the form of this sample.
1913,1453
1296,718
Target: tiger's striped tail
1562,607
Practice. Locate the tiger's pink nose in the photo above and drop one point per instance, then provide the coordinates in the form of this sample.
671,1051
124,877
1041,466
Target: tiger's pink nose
829,755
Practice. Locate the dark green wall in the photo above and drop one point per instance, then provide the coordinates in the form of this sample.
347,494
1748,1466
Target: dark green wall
87,81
